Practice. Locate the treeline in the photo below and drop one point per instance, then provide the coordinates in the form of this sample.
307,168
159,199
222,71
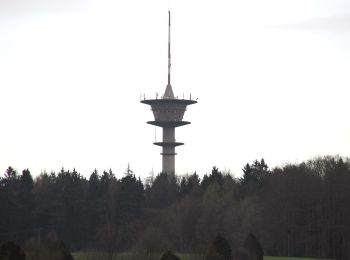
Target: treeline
295,210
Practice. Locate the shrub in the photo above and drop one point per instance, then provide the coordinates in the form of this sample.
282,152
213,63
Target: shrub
51,248
11,251
254,248
220,250
168,255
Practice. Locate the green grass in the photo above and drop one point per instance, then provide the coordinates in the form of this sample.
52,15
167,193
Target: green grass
288,258
127,256
97,256
104,256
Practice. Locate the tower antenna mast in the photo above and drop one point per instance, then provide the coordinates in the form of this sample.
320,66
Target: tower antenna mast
168,113
169,51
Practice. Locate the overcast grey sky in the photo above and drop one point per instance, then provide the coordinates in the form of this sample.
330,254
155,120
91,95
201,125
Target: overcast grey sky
271,77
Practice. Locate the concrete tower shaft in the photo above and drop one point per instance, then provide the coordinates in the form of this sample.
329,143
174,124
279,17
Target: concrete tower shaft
168,114
168,153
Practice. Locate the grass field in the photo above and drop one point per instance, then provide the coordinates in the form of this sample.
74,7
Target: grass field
289,258
128,256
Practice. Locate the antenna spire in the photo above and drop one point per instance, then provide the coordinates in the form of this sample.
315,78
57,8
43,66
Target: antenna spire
169,52
169,94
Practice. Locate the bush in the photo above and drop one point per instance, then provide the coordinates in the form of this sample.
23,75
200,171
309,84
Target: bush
222,247
254,248
168,255
220,250
51,248
11,251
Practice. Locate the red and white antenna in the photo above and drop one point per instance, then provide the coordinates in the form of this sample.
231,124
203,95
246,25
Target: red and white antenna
169,52
169,94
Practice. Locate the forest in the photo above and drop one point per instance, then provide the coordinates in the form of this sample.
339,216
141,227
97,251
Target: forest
300,209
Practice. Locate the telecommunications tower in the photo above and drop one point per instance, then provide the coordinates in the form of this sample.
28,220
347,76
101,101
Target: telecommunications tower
168,113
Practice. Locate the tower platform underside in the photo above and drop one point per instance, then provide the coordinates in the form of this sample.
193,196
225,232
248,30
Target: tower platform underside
168,123
172,144
168,101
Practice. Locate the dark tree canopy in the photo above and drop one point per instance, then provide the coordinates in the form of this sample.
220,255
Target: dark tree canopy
49,246
11,251
222,247
254,175
253,247
294,210
168,255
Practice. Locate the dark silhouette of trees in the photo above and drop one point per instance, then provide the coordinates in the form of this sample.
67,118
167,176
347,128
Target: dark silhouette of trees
48,247
69,206
189,184
294,210
107,229
11,251
168,255
93,208
152,241
254,248
27,200
337,197
17,207
215,177
222,247
163,192
254,175
129,200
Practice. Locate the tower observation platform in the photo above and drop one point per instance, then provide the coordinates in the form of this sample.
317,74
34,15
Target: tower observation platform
168,113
